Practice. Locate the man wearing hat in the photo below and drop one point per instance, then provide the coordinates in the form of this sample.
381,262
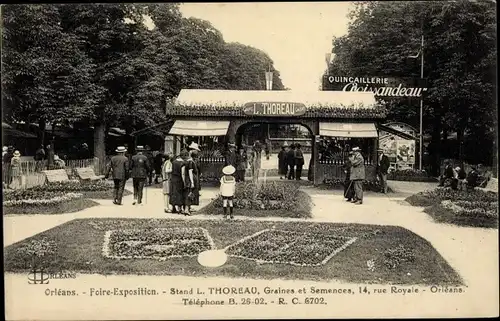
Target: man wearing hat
227,189
139,168
290,160
357,174
382,169
119,165
282,160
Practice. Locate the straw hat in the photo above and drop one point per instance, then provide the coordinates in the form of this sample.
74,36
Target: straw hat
17,153
139,148
285,144
121,149
355,149
194,146
228,170
380,149
231,145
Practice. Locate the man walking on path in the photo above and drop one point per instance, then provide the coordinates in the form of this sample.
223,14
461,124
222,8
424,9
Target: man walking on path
290,158
140,169
357,174
119,165
383,168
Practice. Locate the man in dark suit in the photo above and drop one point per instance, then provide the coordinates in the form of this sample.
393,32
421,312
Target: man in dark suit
383,168
290,159
230,157
299,162
119,165
139,171
357,174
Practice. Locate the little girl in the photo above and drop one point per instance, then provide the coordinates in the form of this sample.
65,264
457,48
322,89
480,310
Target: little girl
227,189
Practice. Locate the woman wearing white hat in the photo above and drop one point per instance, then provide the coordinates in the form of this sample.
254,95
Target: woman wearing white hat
15,167
227,189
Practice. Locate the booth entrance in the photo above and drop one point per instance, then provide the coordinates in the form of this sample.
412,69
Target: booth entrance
327,122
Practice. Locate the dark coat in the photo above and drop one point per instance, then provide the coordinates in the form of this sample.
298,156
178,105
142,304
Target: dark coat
282,162
139,166
384,164
357,167
230,158
119,165
241,162
299,157
290,157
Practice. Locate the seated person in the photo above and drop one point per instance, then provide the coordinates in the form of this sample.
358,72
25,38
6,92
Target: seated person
461,177
449,178
472,178
484,176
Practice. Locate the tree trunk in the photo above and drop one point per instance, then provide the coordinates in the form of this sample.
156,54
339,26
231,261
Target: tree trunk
460,141
435,153
100,144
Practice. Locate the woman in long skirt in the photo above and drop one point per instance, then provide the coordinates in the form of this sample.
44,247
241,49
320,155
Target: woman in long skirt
166,173
348,184
177,184
191,184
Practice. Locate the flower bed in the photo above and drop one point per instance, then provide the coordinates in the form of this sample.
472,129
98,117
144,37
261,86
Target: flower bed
410,175
90,189
468,208
288,247
159,243
80,249
337,183
270,199
30,201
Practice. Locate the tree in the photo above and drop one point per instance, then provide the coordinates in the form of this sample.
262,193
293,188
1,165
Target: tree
46,76
460,46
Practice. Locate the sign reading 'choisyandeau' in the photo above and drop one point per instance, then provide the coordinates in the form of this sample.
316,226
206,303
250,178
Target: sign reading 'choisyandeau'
380,86
274,109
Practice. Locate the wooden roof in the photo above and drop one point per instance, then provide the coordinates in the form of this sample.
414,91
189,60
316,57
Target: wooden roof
319,104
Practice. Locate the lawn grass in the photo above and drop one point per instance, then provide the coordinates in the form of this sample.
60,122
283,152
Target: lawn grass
302,210
80,245
71,206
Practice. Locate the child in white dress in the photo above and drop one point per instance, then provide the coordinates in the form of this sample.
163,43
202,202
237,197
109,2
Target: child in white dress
227,189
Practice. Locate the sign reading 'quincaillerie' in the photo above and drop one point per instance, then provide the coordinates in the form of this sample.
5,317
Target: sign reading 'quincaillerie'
380,86
278,109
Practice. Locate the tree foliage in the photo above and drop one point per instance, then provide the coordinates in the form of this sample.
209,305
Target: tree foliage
99,63
459,52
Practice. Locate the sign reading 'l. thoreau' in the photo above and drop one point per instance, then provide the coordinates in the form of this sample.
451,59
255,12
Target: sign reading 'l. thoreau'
278,109
382,87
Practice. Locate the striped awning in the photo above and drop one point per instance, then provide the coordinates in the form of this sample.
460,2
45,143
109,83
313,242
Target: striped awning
355,130
199,128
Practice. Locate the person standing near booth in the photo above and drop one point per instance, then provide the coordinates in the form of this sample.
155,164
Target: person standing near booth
299,162
139,171
241,165
290,159
357,174
348,184
382,169
119,165
282,161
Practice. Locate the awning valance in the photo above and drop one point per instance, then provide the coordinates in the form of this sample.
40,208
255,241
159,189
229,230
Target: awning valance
361,130
199,128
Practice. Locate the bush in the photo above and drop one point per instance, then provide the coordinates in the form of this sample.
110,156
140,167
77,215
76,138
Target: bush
436,196
89,189
468,208
337,183
410,175
270,199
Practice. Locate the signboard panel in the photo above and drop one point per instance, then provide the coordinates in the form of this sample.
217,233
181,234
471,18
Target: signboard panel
383,87
276,109
405,153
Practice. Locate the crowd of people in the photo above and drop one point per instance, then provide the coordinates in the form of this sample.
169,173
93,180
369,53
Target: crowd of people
458,179
180,176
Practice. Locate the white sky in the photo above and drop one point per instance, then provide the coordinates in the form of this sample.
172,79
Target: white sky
295,35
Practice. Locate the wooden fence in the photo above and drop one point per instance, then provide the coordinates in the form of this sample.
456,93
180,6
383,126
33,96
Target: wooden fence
32,171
